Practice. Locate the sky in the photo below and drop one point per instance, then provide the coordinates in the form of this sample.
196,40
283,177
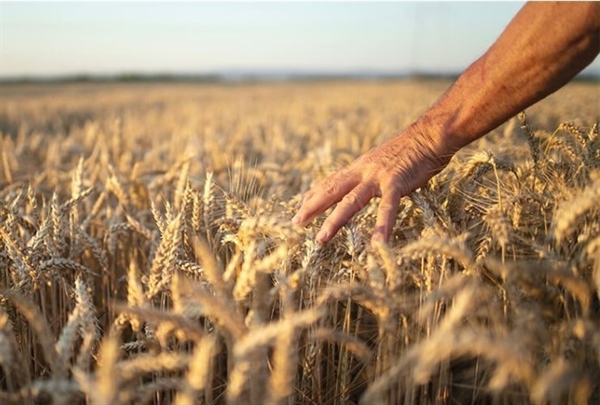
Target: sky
53,39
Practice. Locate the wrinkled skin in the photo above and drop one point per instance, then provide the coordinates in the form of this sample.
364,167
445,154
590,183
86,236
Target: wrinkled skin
390,171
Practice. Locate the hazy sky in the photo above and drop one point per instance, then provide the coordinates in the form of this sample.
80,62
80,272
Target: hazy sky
106,38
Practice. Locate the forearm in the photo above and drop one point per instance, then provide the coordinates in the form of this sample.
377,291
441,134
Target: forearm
544,47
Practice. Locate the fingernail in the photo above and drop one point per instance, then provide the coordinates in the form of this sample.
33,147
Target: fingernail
322,236
296,219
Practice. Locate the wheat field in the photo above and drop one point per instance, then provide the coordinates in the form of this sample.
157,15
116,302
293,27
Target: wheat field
147,254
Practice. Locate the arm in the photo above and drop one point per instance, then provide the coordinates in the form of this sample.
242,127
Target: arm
543,47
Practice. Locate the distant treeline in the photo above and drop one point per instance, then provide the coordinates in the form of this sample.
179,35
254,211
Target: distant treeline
240,77
121,78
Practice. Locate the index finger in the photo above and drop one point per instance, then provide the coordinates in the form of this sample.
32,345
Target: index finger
328,192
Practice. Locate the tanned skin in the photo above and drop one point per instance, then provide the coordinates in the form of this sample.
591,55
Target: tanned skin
543,47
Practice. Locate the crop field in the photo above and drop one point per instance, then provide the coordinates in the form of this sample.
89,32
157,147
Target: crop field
147,253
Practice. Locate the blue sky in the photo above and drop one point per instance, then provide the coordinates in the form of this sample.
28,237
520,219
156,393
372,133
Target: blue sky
44,39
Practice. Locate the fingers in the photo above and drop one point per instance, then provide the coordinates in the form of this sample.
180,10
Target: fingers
353,202
386,216
352,195
330,191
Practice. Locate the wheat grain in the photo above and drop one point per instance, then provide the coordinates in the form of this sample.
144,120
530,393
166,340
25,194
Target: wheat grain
222,300
61,264
569,212
531,139
40,326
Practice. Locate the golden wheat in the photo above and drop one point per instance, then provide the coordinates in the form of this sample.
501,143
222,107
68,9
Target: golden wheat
148,253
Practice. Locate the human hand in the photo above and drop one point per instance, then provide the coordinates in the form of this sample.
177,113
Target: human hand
390,171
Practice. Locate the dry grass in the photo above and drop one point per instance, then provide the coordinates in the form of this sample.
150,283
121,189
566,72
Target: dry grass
147,253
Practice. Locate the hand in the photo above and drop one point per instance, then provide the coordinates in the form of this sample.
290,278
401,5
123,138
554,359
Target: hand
390,171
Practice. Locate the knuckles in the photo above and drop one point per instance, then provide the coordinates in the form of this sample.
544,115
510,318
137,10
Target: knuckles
353,200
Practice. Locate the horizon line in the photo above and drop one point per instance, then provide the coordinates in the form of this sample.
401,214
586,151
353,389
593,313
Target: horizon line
244,75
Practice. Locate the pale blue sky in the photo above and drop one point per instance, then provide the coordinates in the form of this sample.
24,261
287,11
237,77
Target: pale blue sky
108,38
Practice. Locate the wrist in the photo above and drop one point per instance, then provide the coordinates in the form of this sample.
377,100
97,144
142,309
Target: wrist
428,132
460,116
442,132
